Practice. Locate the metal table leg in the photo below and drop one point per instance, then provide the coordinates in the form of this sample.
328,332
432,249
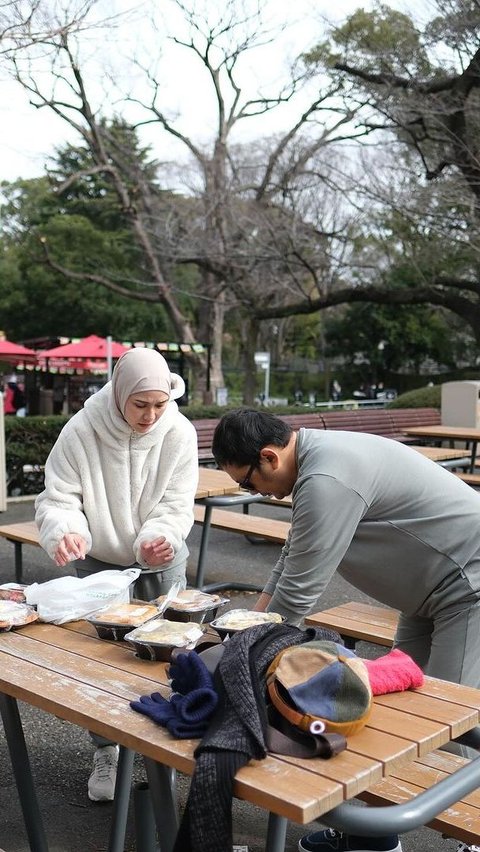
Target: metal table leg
116,840
145,828
203,545
276,833
161,781
243,500
23,774
18,561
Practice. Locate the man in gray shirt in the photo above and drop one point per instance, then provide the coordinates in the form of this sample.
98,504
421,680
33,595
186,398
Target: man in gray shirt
396,525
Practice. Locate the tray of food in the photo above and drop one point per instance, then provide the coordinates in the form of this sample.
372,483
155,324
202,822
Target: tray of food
13,614
13,592
156,639
239,619
191,605
114,621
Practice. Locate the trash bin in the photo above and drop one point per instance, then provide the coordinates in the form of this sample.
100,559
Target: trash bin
461,404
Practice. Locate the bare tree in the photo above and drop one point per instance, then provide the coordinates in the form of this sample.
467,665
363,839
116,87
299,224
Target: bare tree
245,227
420,86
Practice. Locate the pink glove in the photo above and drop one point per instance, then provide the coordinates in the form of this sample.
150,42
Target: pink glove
393,672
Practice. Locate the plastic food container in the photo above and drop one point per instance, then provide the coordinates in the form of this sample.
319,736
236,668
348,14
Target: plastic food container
115,621
239,619
156,639
14,614
191,605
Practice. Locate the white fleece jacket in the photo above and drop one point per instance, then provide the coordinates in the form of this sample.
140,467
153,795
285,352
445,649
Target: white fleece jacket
118,488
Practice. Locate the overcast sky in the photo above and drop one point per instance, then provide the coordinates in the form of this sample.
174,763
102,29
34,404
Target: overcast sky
29,136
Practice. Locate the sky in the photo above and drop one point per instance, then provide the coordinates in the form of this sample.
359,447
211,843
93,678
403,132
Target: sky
29,136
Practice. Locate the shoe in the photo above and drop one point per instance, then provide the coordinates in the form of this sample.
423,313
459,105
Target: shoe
464,847
101,784
332,840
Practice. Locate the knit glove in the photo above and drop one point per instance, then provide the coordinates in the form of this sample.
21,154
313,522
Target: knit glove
189,672
156,707
393,672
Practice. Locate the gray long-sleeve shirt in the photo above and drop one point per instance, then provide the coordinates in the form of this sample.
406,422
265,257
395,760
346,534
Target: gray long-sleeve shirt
396,525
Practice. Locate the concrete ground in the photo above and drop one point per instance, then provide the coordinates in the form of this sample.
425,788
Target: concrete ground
61,753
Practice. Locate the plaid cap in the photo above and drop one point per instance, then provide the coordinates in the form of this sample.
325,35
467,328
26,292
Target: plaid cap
321,681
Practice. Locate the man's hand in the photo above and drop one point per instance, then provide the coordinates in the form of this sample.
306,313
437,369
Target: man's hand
72,546
157,552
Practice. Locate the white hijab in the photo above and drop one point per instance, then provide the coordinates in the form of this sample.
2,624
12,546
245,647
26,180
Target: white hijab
140,370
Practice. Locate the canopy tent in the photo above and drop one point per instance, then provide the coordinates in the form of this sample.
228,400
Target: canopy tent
16,354
90,347
89,355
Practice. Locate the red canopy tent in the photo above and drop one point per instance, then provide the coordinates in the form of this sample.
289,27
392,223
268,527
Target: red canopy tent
89,354
14,353
90,347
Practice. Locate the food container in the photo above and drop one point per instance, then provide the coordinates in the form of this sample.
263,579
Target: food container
191,605
13,614
239,619
13,592
114,621
156,639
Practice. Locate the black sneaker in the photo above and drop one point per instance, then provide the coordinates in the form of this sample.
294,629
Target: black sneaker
332,840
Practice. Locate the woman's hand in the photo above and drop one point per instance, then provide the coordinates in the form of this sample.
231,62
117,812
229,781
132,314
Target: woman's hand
157,552
72,546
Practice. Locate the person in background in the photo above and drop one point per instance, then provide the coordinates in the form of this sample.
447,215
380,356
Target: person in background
335,390
394,524
13,397
120,485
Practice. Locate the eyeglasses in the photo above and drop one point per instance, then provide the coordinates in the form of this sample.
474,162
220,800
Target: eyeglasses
246,482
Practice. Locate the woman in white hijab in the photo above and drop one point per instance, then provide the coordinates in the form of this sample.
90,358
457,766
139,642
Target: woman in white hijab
120,485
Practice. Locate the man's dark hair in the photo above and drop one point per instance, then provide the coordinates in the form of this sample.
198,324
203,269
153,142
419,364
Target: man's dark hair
241,434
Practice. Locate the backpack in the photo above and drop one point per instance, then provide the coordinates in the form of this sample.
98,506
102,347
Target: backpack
320,693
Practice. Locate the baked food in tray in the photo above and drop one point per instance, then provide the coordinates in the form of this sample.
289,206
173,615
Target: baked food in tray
13,614
156,639
239,619
191,605
116,620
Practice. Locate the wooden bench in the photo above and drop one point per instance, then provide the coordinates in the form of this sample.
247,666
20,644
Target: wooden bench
460,822
254,527
377,421
472,479
205,430
22,533
356,621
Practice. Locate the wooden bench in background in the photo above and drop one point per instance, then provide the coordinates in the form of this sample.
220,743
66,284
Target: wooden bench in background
472,479
358,622
390,423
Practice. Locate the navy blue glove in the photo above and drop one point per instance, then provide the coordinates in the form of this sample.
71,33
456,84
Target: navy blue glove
189,672
156,707
197,706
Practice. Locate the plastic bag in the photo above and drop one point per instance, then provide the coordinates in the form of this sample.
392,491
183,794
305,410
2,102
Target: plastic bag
69,598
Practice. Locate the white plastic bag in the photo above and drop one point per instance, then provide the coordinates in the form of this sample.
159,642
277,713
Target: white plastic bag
69,598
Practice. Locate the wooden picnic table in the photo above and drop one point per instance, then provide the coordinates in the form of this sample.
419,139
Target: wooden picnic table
440,454
439,434
69,672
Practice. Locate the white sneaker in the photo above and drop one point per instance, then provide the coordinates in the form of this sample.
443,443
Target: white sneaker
464,847
101,784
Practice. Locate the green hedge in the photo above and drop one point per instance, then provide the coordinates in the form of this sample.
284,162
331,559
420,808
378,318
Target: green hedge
427,397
